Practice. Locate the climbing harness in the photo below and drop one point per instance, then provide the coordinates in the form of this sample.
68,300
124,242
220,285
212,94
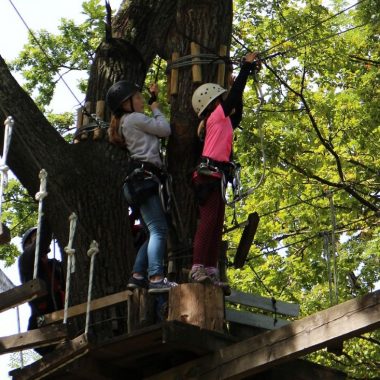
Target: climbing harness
70,261
142,181
9,123
93,250
40,196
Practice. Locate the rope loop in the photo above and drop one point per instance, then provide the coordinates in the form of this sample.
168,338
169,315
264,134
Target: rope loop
69,251
4,168
94,249
41,195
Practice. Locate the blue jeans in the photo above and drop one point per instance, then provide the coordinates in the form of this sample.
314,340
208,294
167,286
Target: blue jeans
151,254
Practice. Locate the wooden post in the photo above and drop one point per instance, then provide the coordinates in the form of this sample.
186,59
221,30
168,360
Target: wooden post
100,106
198,304
141,309
168,81
86,121
174,76
196,67
79,117
222,66
79,122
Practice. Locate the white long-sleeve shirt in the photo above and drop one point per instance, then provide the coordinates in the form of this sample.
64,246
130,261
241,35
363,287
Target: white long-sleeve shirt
141,134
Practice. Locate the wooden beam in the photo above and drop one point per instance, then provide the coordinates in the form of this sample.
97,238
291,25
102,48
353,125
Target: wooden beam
264,303
297,339
174,76
196,68
34,338
96,304
256,320
51,362
21,294
222,66
246,240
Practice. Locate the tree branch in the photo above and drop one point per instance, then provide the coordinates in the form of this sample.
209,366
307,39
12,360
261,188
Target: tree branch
329,147
344,186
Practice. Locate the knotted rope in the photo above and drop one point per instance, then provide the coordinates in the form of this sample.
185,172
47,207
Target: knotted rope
70,252
93,250
40,196
9,122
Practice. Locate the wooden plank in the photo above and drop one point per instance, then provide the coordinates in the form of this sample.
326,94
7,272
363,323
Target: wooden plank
221,66
34,338
172,336
300,370
174,76
192,338
196,68
297,339
50,363
255,320
21,294
264,303
96,304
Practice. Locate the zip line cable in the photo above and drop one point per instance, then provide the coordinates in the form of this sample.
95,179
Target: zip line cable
340,229
314,42
275,211
51,181
313,26
53,66
310,43
301,32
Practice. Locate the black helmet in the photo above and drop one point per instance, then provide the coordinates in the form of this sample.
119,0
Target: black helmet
119,92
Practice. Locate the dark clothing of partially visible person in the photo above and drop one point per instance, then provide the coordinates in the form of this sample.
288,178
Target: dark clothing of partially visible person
50,271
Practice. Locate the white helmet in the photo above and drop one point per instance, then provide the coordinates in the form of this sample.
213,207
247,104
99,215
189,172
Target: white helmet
204,95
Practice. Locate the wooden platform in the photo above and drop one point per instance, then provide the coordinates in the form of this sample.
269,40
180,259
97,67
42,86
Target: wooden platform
177,350
140,354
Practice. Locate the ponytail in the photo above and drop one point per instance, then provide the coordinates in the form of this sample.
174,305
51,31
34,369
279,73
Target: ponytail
114,135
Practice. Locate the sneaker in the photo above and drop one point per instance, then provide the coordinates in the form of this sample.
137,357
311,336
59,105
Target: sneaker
223,285
162,286
135,283
214,276
198,274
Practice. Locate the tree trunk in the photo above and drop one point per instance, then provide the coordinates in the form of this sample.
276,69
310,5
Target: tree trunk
207,23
